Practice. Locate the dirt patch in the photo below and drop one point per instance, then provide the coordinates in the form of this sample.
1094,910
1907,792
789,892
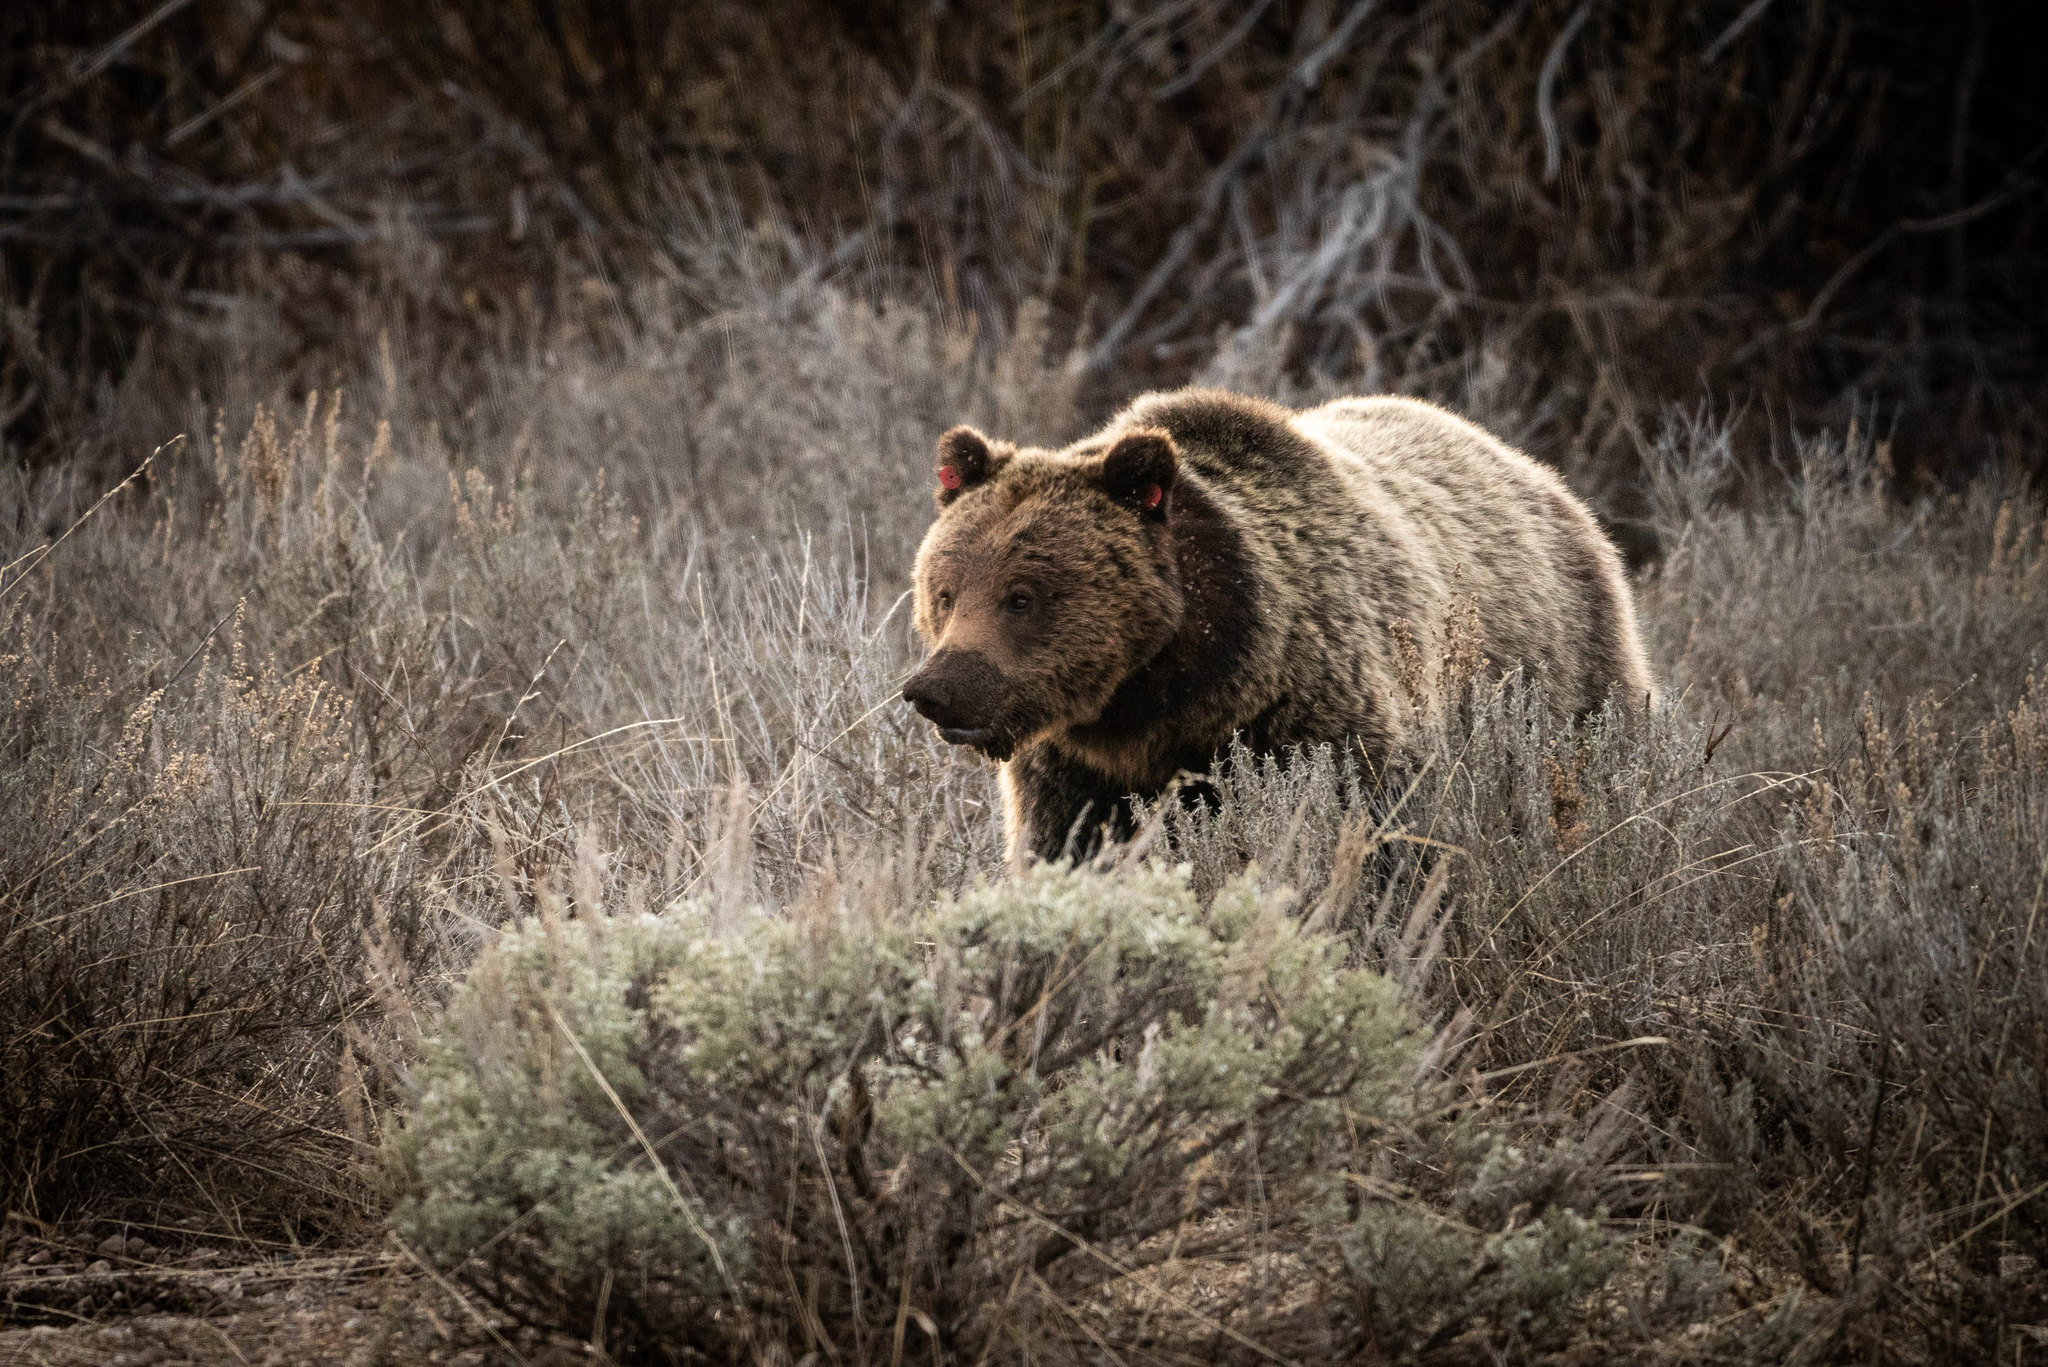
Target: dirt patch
70,1306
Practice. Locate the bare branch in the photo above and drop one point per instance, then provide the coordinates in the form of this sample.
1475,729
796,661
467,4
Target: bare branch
1546,91
1750,14
1187,79
1311,69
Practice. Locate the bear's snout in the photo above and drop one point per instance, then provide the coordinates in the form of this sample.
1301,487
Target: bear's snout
960,692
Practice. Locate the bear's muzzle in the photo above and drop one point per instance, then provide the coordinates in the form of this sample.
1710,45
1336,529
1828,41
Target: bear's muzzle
961,692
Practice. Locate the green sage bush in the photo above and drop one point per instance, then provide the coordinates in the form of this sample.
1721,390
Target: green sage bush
1078,1111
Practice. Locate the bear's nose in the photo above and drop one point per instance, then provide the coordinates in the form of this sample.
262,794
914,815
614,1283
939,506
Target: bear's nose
960,692
929,695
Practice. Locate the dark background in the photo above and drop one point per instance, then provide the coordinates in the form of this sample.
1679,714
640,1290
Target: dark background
1563,216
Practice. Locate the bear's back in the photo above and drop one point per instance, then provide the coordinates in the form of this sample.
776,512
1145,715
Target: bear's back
1230,438
1367,512
1505,530
1378,445
1415,443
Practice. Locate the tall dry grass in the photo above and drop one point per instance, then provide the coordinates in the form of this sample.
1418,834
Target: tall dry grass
293,687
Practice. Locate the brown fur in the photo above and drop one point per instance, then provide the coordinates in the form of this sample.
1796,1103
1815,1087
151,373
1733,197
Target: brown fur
1105,617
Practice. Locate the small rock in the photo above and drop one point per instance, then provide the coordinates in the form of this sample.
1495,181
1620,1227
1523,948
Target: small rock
136,1243
99,1269
42,1257
114,1245
84,1305
148,1253
200,1257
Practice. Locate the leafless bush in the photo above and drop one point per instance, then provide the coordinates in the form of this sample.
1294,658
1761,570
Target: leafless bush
190,881
1564,215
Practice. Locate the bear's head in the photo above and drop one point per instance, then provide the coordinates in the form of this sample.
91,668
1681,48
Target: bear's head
1046,583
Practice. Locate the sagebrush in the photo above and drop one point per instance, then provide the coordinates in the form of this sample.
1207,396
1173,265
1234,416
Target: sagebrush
1076,1110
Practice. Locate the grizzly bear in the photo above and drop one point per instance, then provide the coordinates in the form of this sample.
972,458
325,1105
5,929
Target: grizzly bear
1104,618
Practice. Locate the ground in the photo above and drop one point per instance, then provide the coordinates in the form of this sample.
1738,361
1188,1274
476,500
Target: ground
70,1305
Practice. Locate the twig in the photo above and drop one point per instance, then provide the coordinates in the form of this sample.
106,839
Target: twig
1546,91
845,1235
41,553
1750,14
1993,1218
1179,250
1642,1042
2016,184
1311,69
1628,821
660,1168
1031,1212
459,1299
532,687
85,69
179,673
2005,1037
1217,53
101,60
1884,1081
220,107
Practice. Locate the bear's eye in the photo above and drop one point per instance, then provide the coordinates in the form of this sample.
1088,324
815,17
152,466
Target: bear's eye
1018,602
945,601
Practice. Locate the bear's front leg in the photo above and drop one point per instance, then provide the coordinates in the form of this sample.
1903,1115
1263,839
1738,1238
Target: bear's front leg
1055,807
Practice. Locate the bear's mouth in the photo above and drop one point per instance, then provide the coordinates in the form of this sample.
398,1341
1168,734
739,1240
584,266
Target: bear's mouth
990,740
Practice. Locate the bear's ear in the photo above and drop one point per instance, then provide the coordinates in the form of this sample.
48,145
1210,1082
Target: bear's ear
965,460
1139,471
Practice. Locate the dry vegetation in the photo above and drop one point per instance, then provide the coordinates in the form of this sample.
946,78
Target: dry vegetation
303,719
461,854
